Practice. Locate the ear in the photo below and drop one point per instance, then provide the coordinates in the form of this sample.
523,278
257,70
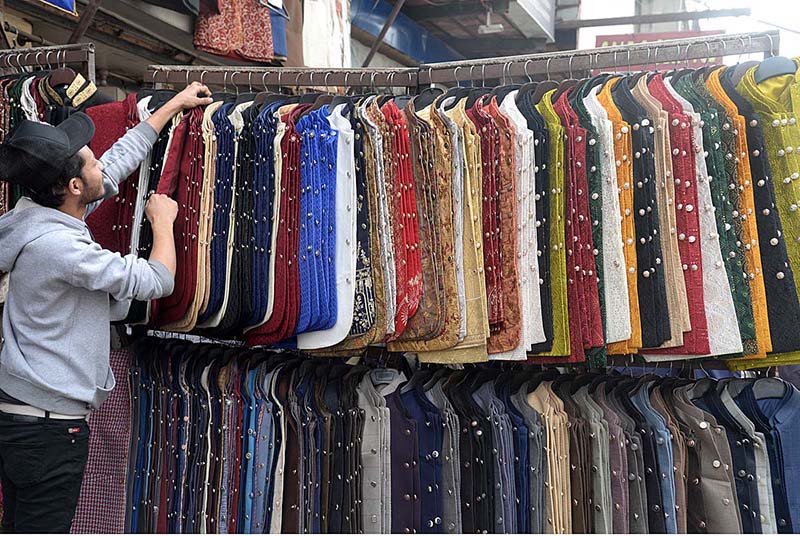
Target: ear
75,186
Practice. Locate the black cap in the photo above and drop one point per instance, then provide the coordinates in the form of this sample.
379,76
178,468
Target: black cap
42,151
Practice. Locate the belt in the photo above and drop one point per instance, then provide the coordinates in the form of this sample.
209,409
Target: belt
30,411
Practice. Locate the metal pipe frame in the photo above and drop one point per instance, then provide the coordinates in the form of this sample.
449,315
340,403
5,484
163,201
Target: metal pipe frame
257,77
575,61
82,53
571,62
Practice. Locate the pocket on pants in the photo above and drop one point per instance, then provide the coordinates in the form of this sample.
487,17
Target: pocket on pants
23,463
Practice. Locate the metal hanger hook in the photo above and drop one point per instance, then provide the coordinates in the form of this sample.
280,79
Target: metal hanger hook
471,68
547,67
225,82
325,80
483,74
372,80
202,76
771,45
250,81
455,74
187,77
233,81
264,79
571,58
525,68
630,67
508,70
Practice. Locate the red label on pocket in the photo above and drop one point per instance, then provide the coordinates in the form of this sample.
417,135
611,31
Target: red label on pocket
73,430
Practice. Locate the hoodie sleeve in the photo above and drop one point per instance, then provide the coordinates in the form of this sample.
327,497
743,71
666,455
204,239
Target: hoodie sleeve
123,158
124,278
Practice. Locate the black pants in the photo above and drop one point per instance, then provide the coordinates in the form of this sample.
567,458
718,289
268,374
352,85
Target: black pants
41,467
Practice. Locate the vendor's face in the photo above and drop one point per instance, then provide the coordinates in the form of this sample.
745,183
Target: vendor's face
92,175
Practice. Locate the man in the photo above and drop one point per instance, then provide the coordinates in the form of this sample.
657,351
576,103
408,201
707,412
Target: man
63,291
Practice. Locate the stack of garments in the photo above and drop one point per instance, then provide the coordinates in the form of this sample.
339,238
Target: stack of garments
622,215
251,441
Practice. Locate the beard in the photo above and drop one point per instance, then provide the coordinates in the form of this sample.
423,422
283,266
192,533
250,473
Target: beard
90,195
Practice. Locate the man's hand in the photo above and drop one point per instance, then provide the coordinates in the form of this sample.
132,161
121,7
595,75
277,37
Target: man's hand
161,210
195,94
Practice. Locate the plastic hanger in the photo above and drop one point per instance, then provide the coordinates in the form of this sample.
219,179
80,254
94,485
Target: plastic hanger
261,96
504,89
769,388
417,379
527,87
774,66
544,87
437,375
567,84
63,75
426,97
477,92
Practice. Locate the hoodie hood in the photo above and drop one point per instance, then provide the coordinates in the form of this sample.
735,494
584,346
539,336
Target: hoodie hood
27,222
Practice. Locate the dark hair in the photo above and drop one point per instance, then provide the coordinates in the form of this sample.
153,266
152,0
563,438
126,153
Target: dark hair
52,196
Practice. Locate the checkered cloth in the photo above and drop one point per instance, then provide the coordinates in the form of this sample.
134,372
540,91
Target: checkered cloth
101,507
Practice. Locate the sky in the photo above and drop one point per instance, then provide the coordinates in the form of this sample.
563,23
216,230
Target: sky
783,15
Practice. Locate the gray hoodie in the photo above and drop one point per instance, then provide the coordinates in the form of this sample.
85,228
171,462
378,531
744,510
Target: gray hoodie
62,286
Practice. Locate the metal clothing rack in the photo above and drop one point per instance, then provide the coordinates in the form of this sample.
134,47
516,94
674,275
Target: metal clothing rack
60,55
576,61
565,62
258,77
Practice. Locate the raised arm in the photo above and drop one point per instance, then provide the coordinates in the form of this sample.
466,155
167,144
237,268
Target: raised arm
130,150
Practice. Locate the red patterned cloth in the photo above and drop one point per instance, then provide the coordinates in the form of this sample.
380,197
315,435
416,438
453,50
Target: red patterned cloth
241,29
101,506
112,221
182,179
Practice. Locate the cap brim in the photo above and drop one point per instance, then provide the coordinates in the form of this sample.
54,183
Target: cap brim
79,129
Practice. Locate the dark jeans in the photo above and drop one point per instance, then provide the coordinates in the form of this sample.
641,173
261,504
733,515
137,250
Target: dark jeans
41,467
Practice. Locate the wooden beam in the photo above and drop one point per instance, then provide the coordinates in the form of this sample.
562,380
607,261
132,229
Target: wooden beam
652,19
85,21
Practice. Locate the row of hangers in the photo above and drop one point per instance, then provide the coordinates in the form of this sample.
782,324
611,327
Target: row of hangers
59,75
269,96
768,68
385,368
